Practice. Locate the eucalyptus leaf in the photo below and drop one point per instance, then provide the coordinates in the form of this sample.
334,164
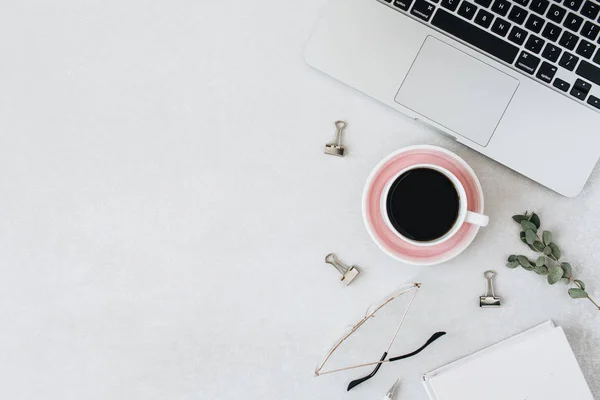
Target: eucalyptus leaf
524,261
568,269
535,219
578,293
555,274
528,225
547,237
541,270
523,237
530,236
549,253
519,218
580,283
540,261
555,250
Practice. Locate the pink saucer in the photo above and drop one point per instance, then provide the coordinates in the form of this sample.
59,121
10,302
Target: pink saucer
387,240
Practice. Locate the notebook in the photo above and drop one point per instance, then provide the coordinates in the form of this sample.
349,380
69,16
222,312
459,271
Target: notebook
535,365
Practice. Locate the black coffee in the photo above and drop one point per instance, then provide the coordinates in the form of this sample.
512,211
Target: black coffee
423,204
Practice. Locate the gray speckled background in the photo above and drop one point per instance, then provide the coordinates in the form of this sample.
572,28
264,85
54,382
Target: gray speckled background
166,208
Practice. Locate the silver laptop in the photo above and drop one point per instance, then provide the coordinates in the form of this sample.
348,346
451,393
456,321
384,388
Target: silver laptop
517,80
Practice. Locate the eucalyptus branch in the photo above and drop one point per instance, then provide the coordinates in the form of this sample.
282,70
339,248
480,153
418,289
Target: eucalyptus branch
548,263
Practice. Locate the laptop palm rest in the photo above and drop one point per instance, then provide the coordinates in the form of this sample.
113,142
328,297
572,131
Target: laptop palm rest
457,91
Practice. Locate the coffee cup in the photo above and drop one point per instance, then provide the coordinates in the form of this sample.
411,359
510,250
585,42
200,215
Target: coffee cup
426,205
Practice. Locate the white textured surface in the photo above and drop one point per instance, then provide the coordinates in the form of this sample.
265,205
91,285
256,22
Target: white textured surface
166,208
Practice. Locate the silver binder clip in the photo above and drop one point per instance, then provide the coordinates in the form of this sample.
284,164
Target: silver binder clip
336,148
490,299
348,273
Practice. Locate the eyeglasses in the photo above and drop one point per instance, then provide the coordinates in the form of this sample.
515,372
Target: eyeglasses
371,311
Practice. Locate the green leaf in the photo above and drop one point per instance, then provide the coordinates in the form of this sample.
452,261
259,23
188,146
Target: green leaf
513,264
535,219
555,250
547,250
519,218
542,270
578,293
525,241
512,257
524,261
580,283
566,281
540,261
538,246
530,236
555,274
528,225
547,237
568,269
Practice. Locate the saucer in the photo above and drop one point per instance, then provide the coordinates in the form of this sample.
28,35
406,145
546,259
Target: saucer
386,239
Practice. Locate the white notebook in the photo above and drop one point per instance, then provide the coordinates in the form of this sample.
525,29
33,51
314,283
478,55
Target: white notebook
535,365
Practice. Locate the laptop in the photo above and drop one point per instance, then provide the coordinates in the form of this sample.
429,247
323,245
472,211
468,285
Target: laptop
516,80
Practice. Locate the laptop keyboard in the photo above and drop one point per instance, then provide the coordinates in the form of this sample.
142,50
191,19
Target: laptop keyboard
556,42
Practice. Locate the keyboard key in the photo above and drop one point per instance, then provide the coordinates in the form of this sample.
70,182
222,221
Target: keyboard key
423,10
560,84
527,62
597,58
556,13
518,15
517,35
534,44
594,102
484,3
501,7
484,18
547,72
539,6
590,10
475,36
589,72
403,4
590,31
583,85
568,61
500,27
450,4
573,22
578,93
573,4
522,2
568,40
551,31
467,10
534,23
585,49
551,52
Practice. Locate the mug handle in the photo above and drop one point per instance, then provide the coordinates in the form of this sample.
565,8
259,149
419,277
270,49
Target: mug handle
477,219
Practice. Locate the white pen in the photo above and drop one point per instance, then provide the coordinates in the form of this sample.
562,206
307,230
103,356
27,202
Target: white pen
390,394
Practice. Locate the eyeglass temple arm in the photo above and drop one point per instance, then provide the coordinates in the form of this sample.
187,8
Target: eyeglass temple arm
357,382
432,339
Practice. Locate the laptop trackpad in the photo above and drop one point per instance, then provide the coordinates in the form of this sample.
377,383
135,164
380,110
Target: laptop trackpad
457,91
